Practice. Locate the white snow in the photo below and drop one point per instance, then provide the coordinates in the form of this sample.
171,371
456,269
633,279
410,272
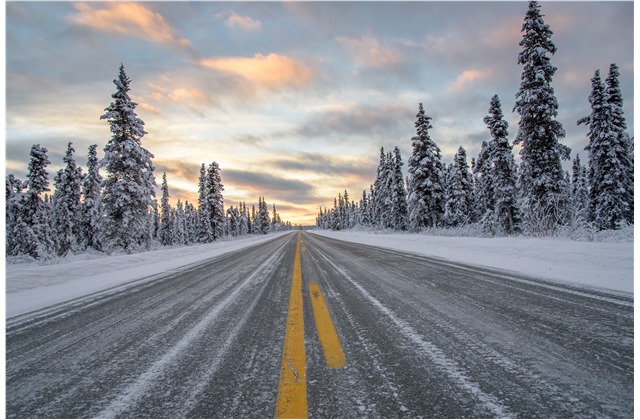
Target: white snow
606,265
603,265
34,286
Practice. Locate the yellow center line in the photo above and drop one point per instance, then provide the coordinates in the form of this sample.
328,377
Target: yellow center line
333,354
292,390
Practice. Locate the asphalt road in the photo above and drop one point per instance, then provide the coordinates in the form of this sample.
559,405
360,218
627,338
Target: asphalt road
420,337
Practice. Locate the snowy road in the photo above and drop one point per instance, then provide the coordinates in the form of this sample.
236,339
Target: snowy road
420,338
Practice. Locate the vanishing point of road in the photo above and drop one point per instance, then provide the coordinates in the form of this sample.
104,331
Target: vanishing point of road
306,326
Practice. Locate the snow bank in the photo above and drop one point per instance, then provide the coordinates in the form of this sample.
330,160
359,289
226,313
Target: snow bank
35,286
593,264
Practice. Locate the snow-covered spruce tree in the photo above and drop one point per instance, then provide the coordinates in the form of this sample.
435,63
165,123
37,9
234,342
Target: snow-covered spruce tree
262,217
91,199
426,202
459,206
233,215
398,195
484,188
13,208
579,192
32,234
609,164
377,191
179,225
613,97
165,234
215,201
386,193
205,229
541,178
364,211
503,170
129,187
66,205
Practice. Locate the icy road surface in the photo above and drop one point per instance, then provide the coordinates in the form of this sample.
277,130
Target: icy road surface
420,337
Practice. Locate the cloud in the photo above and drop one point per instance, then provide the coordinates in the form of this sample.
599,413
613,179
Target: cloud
129,19
260,183
368,52
271,71
319,163
243,22
468,77
363,120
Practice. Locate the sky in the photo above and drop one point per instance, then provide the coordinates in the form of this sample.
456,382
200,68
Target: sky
294,99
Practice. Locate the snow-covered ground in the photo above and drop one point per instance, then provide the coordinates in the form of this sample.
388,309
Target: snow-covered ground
605,265
35,286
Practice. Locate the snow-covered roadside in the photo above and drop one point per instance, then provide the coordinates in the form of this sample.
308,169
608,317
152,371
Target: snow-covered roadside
33,286
593,264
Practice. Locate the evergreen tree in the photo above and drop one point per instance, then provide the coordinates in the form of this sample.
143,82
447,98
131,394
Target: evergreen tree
503,176
165,233
179,225
426,202
579,192
214,202
32,232
364,219
398,195
610,201
66,204
205,229
91,194
459,205
541,177
614,100
377,192
13,212
129,187
484,184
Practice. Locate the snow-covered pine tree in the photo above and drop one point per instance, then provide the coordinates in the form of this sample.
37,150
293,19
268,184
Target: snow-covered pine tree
215,201
377,193
205,229
233,215
13,209
165,232
32,234
398,195
129,187
364,213
66,205
179,225
541,177
613,97
426,202
579,192
484,185
91,199
191,223
262,217
459,205
503,170
608,161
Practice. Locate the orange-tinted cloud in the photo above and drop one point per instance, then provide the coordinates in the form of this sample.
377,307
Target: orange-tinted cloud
272,71
469,76
369,52
129,19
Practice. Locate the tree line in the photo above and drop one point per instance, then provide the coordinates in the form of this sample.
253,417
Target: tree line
536,197
119,212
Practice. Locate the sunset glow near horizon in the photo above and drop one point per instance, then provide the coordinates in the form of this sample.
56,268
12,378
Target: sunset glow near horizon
293,100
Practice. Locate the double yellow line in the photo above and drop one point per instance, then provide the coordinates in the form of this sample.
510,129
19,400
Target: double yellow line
292,391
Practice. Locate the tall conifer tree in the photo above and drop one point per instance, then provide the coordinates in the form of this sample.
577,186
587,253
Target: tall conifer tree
541,177
129,188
